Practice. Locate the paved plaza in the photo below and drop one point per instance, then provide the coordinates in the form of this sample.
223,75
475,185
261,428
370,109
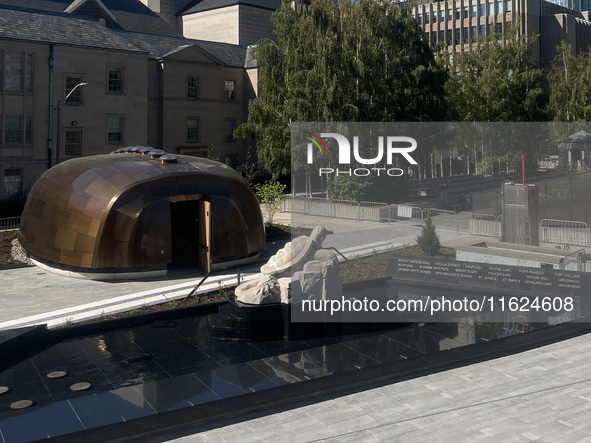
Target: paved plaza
34,296
543,394
539,395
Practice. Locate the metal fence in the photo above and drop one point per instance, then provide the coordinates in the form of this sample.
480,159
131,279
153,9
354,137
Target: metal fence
9,223
462,222
565,232
486,225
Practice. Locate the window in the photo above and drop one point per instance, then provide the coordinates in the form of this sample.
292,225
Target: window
114,129
426,18
441,36
482,30
115,80
473,10
74,95
12,181
193,87
13,129
192,130
500,29
491,8
420,19
29,130
482,10
508,6
230,89
491,28
457,37
73,144
449,14
465,35
442,15
474,34
13,71
229,129
499,7
465,12
29,72
449,37
457,13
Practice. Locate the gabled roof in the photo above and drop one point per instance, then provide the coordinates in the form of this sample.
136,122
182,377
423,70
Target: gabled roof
61,29
77,4
160,46
578,137
207,5
131,15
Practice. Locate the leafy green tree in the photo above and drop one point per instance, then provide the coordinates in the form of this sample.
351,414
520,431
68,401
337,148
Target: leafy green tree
570,85
272,194
496,81
428,240
352,60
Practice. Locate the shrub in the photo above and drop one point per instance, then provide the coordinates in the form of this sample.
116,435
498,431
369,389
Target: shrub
272,195
428,240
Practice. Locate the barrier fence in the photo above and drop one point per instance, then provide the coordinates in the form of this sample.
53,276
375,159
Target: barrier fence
565,232
487,225
9,223
462,223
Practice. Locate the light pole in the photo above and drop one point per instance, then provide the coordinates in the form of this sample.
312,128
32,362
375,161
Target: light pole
59,123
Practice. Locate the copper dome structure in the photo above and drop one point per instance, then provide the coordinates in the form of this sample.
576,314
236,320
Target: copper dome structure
130,212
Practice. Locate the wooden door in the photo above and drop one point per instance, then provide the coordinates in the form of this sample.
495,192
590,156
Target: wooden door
204,236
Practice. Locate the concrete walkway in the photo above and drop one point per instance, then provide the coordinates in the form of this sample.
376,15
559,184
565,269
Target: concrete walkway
33,296
542,394
539,395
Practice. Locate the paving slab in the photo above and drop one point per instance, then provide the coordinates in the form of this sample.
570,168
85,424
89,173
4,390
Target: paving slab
506,410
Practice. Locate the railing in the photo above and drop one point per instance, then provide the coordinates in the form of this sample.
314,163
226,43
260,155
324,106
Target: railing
373,211
564,232
443,219
462,223
575,261
9,223
486,225
404,212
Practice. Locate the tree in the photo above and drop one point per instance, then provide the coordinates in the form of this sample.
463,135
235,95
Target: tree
272,195
428,240
496,81
570,85
350,60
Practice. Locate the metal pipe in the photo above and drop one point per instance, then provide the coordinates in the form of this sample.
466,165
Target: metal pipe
50,115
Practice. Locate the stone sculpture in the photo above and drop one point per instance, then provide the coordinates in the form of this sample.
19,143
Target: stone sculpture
301,270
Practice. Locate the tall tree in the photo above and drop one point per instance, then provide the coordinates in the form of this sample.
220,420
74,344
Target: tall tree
496,81
570,85
352,60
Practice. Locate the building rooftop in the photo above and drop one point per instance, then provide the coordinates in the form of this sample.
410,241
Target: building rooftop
207,5
61,29
131,15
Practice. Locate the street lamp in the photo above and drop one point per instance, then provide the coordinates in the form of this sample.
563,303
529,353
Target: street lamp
59,125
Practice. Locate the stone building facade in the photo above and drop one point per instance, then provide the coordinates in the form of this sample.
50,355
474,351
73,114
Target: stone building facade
114,87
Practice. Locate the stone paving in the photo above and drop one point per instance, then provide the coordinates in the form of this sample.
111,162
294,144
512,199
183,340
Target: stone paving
33,296
542,394
539,395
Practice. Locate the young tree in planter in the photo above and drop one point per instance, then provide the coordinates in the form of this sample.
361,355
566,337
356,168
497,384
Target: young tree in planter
428,240
272,195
